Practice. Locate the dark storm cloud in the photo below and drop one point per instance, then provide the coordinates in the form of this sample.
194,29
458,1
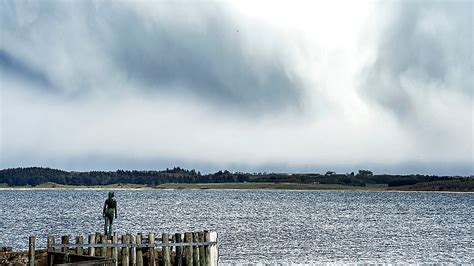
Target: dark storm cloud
10,65
206,59
426,47
195,49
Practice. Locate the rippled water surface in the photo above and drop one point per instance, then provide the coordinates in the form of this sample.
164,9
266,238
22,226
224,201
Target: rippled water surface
262,226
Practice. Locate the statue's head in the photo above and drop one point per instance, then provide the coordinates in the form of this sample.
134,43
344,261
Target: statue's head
111,194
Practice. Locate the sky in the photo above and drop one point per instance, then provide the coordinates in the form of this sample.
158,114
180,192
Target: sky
251,86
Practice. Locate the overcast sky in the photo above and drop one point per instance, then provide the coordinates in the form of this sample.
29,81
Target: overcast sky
294,86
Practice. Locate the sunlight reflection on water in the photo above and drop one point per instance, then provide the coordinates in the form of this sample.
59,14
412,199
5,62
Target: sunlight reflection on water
262,226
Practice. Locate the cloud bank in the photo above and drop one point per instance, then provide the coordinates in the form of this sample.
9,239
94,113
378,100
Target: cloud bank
189,48
426,47
148,85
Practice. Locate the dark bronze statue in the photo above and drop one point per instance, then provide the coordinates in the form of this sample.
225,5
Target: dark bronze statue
110,208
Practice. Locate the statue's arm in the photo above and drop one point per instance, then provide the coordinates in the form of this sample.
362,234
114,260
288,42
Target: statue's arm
115,210
103,211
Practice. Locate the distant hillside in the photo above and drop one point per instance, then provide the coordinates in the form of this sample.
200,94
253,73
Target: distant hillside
33,176
460,185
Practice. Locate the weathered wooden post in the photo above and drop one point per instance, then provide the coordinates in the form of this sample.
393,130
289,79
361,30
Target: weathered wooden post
214,257
79,242
109,245
31,250
115,249
139,250
173,240
133,251
188,250
179,250
65,241
125,257
91,242
207,249
103,241
50,244
166,250
151,249
97,241
202,252
195,249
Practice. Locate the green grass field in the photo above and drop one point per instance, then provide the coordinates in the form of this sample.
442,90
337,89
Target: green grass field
248,185
287,186
454,186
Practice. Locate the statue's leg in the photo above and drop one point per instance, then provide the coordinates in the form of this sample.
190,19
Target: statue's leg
110,227
105,225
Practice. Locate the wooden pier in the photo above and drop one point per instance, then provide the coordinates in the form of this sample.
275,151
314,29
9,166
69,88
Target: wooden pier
182,249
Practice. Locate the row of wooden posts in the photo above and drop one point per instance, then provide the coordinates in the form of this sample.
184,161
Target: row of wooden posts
191,248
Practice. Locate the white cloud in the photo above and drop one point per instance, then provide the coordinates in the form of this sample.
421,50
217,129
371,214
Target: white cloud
100,112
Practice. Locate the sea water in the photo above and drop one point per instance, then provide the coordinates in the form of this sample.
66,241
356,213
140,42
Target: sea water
261,226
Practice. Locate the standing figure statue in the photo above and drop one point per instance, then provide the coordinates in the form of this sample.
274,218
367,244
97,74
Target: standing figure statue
110,208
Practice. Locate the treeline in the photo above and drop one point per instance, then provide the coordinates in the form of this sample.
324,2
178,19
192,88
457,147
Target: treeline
362,178
32,176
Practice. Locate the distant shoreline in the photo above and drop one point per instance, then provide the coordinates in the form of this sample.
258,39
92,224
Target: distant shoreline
179,178
233,186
